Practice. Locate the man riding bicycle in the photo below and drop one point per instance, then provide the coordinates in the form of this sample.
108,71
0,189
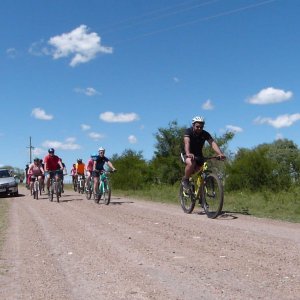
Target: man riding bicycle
52,163
194,140
98,167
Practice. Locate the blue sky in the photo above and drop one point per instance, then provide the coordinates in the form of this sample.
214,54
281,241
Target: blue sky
84,74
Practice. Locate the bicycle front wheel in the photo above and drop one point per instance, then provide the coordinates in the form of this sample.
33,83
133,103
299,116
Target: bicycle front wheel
187,201
212,196
57,190
88,193
36,190
107,195
51,192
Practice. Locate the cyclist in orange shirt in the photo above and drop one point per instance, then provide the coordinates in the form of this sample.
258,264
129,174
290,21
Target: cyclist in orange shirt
80,167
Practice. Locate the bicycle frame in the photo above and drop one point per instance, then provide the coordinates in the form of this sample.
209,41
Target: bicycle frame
103,188
198,179
80,184
36,187
55,185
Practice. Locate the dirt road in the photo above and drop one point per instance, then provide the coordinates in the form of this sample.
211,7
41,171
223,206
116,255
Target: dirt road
133,249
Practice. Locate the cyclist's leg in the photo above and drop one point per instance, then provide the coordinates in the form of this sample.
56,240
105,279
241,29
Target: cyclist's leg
31,181
96,182
40,179
188,172
43,182
87,182
47,177
62,182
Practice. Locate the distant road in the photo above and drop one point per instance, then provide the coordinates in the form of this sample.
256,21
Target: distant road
134,249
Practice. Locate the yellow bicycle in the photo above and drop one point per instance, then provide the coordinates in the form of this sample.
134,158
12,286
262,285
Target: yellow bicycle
205,187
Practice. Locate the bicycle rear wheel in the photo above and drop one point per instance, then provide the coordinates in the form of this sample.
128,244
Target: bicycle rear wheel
187,201
212,196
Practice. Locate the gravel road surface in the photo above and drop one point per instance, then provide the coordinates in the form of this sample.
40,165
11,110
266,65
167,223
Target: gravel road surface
133,249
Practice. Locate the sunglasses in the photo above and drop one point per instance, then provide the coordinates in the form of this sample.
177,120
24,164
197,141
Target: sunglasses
199,126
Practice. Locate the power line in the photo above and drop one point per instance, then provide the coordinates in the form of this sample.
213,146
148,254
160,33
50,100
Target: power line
221,14
142,19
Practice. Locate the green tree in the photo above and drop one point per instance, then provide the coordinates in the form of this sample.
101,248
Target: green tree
166,164
251,169
132,170
274,166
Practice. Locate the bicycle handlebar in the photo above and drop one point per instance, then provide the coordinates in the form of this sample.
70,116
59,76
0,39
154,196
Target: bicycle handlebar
103,171
201,158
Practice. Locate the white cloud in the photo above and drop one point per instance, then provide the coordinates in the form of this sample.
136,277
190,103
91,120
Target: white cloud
270,96
39,152
85,127
176,79
11,52
39,49
132,139
80,44
207,105
68,144
281,121
234,129
89,91
96,136
40,114
120,118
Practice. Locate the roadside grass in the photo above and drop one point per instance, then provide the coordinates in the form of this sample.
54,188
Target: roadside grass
283,205
4,206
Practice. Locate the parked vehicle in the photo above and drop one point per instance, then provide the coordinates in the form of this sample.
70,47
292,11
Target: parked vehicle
8,183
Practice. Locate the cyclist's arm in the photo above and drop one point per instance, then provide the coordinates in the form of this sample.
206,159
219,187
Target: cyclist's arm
42,170
216,148
111,165
187,142
60,164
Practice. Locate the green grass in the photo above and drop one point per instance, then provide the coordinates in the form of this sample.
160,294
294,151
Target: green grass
281,206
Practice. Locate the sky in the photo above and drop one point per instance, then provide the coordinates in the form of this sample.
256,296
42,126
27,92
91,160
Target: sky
79,75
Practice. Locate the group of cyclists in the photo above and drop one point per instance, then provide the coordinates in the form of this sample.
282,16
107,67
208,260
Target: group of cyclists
194,140
52,165
92,169
42,170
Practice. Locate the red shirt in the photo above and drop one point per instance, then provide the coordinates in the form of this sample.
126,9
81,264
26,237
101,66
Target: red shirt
51,162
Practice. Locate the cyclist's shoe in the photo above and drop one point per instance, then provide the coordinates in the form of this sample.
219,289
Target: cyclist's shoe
186,185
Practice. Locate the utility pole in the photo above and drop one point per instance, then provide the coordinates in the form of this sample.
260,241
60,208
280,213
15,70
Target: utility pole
30,150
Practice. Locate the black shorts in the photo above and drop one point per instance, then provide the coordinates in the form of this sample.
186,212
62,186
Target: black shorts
96,173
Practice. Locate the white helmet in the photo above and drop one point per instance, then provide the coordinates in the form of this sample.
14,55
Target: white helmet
198,119
101,149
